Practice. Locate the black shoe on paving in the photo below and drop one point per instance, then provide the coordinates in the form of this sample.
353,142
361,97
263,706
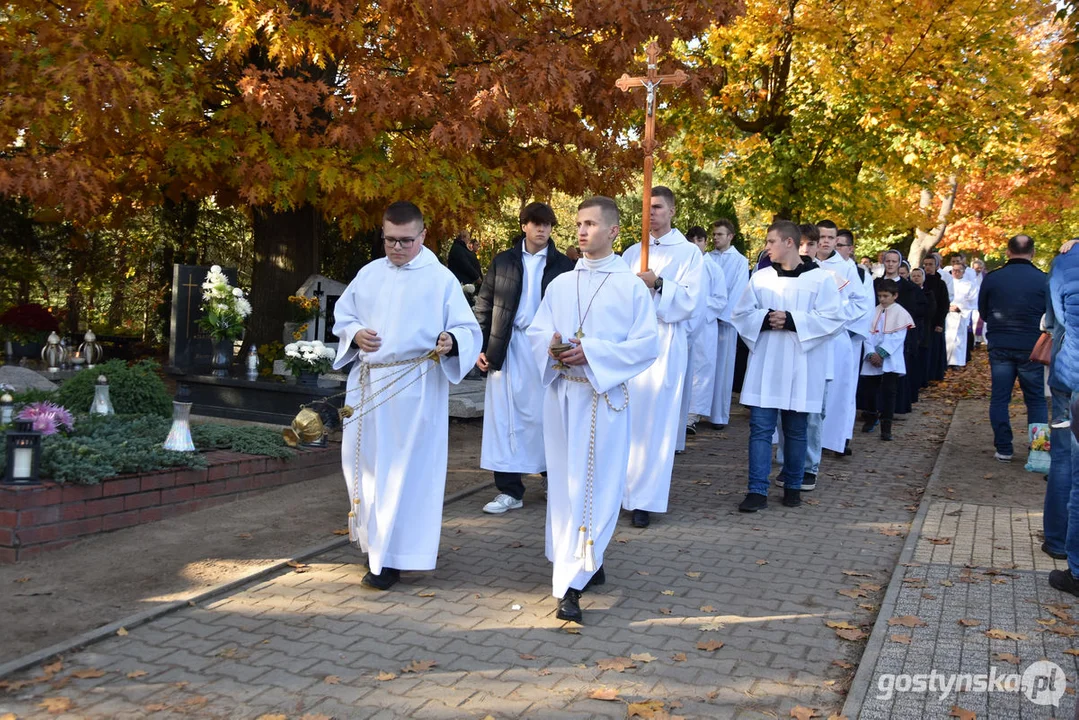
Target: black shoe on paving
869,424
641,519
598,578
1064,581
569,607
383,581
846,449
809,481
1054,555
753,503
792,497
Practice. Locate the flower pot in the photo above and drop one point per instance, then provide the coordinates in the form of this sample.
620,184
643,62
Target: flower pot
221,361
308,379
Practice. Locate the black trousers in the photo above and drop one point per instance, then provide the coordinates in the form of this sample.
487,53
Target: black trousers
510,483
880,393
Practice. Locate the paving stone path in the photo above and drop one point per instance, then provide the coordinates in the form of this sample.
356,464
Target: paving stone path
709,612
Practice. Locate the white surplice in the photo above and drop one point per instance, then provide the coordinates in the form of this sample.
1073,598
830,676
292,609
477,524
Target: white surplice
965,297
658,391
838,424
703,339
889,333
736,274
401,463
513,398
784,367
620,341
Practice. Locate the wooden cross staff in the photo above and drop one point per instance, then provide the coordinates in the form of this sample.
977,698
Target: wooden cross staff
650,82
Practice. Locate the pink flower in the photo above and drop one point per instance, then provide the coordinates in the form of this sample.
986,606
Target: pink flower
47,417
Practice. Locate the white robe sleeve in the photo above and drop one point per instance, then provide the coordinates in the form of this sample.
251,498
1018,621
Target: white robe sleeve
892,343
859,301
717,299
737,282
612,363
460,321
823,320
681,290
539,335
748,316
347,322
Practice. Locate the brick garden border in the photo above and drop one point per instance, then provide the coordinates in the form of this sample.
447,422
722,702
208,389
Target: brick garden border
39,518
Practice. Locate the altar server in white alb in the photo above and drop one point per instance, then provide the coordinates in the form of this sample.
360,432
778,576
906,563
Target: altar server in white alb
513,401
736,274
605,315
405,325
787,316
964,299
884,361
675,268
701,378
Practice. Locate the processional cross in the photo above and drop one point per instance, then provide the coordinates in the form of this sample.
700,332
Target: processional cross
650,82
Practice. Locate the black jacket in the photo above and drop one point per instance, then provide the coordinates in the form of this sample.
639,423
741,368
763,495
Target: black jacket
500,295
915,302
935,284
463,263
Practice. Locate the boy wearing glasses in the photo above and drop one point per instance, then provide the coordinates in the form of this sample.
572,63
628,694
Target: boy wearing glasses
513,404
408,332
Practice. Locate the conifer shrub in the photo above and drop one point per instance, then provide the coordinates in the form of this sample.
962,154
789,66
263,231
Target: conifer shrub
134,390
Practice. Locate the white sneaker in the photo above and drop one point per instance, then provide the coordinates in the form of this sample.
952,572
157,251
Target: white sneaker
1062,425
502,503
1002,457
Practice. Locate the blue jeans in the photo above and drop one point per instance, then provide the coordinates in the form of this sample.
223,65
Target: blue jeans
1062,476
814,443
1005,366
762,424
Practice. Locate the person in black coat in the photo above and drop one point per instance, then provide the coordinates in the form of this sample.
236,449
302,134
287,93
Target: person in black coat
462,261
507,301
938,354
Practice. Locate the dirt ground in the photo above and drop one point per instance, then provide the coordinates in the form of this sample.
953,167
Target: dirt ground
107,577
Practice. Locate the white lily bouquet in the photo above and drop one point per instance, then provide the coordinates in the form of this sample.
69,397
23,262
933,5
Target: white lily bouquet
225,307
309,357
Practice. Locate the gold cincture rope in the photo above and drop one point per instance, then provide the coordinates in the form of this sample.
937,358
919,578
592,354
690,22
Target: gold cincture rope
585,545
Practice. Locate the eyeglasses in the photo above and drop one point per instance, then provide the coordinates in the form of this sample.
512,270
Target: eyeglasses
404,243
843,245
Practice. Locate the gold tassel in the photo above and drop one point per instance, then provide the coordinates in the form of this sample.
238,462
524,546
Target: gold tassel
590,557
580,543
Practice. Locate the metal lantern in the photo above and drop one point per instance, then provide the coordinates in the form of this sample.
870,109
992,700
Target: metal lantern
7,408
253,364
23,455
101,405
91,349
179,438
53,354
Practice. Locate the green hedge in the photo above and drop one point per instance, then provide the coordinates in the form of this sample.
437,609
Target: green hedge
134,390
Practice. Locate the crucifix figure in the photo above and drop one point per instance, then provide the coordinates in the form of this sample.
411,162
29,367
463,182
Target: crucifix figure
650,82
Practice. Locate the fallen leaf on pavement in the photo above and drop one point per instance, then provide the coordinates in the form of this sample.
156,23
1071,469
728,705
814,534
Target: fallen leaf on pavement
526,656
604,694
837,716
418,666
384,676
962,713
9,716
642,657
709,646
905,639
711,627
762,562
998,634
681,657
122,632
869,607
577,631
245,536
940,541
664,611
136,674
331,680
299,567
1064,631
342,531
969,623
56,705
272,716
840,625
803,713
643,572
693,575
843,664
855,573
852,635
1006,657
907,621
854,593
871,587
892,532
87,674
667,592
1071,651
22,579
707,609
315,716
618,664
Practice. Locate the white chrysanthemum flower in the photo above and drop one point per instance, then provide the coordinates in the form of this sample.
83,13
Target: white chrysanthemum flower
243,307
291,347
215,268
292,354
329,353
237,292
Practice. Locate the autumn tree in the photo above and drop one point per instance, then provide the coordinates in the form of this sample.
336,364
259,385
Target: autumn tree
321,111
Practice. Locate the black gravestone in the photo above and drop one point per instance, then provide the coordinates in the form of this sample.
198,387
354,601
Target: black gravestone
327,334
190,348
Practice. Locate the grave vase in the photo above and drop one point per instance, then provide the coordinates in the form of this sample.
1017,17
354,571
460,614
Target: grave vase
221,361
309,379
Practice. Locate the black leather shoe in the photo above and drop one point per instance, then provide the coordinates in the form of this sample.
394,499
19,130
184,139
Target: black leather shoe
383,581
569,607
753,503
792,497
599,578
847,452
1064,581
641,519
1054,555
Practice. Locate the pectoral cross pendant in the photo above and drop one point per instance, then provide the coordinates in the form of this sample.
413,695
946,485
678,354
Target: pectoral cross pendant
579,334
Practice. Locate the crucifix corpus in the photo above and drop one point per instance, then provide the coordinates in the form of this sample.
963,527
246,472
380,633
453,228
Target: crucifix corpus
650,82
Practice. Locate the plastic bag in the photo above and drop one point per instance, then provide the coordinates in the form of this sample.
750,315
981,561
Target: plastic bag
1038,457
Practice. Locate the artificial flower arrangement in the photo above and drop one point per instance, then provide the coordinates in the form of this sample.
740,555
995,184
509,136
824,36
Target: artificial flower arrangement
302,310
309,357
225,307
47,418
1039,440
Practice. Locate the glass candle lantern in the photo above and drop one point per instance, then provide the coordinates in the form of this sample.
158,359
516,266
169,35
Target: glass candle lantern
23,459
7,408
179,438
101,405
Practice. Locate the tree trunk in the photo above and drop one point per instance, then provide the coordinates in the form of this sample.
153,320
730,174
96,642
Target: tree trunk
286,254
925,240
